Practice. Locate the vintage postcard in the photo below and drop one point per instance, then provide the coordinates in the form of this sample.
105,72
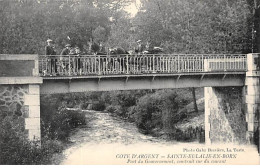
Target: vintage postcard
129,82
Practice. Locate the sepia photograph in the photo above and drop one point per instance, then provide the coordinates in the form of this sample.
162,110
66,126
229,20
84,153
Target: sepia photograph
130,82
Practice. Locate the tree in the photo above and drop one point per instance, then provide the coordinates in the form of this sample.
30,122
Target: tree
58,19
196,26
99,34
122,33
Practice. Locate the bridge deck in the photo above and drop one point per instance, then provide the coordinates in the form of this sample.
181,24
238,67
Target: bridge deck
201,74
134,82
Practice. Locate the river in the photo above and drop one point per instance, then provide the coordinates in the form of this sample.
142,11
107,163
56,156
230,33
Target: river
103,132
110,140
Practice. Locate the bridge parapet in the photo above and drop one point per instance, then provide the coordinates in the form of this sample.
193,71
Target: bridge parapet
72,65
12,65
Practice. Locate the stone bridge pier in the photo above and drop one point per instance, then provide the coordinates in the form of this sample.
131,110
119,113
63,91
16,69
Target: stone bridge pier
232,113
20,93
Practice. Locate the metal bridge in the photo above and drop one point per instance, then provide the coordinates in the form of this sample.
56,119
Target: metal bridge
126,72
231,84
74,66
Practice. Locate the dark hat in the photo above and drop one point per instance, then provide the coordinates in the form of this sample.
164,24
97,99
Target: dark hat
67,45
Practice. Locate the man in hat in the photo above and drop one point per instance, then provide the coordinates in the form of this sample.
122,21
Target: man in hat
49,48
139,50
52,61
77,62
140,47
65,51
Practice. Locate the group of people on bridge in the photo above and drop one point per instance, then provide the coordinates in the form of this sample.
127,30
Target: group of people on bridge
57,61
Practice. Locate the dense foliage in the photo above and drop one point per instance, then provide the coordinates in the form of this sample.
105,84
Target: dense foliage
56,120
27,24
196,26
155,112
179,26
56,124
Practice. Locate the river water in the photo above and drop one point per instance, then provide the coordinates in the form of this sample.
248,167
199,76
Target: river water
110,140
103,133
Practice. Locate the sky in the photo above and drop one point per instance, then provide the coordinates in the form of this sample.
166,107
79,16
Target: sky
132,9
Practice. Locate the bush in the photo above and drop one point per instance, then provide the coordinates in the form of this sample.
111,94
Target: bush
85,106
57,125
106,97
131,113
23,152
157,111
189,134
16,149
110,109
100,106
152,111
125,99
76,118
147,113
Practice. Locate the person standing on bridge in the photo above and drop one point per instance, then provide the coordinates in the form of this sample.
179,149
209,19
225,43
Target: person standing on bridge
139,50
140,47
65,51
51,60
78,63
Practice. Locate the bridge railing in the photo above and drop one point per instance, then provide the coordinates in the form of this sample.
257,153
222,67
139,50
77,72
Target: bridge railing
72,65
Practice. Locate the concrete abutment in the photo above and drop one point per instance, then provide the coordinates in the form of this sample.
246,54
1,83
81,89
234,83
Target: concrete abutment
232,113
225,120
20,94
